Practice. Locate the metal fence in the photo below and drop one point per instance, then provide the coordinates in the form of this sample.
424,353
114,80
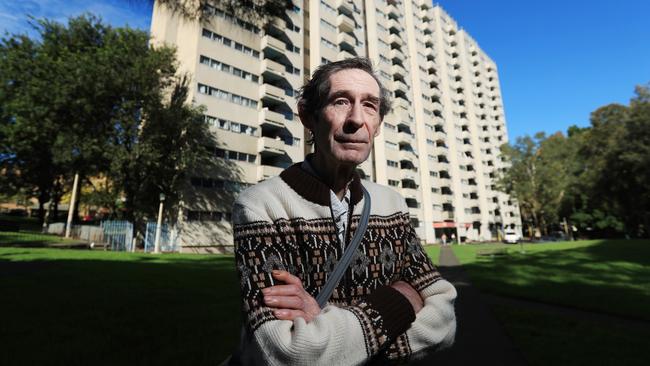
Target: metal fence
168,238
118,235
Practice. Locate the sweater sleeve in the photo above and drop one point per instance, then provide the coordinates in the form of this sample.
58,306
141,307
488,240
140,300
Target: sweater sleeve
434,327
339,335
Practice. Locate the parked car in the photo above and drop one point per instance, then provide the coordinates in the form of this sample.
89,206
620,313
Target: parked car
511,237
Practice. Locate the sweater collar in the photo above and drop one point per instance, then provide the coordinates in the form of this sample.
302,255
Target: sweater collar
314,190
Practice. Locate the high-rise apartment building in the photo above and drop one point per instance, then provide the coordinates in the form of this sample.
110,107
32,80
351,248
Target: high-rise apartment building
439,145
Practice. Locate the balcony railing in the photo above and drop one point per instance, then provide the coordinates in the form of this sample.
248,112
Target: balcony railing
272,146
270,42
269,117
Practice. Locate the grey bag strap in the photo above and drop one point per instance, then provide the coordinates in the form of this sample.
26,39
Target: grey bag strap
344,263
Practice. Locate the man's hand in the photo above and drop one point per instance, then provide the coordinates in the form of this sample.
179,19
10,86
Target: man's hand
409,292
290,301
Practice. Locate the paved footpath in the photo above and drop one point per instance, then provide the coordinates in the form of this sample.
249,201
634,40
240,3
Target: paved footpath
480,339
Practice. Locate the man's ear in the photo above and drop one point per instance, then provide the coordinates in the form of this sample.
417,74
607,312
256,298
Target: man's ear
306,119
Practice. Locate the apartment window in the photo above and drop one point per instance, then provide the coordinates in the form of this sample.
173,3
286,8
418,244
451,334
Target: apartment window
328,25
324,61
229,69
233,98
391,145
221,14
230,43
392,163
228,125
393,183
234,155
328,8
293,48
328,44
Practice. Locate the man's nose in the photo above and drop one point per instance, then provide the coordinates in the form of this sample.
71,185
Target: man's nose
355,117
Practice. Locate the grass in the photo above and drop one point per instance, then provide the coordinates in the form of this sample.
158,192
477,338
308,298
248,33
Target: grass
606,276
78,307
547,338
92,307
434,252
20,238
600,276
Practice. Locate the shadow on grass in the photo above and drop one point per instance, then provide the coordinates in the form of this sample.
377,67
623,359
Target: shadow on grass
130,311
610,276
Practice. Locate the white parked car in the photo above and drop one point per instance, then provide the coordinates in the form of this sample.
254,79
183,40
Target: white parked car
511,237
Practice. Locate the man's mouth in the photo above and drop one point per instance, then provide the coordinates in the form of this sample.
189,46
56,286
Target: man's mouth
350,141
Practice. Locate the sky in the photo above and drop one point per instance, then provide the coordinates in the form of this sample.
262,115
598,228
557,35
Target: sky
558,60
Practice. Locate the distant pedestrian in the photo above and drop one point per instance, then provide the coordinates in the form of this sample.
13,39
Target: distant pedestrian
453,238
444,239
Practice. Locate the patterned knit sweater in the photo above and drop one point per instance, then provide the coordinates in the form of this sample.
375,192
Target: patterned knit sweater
285,223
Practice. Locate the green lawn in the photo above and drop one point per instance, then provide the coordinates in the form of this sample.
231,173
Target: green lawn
551,338
610,276
600,276
13,238
79,307
75,307
434,252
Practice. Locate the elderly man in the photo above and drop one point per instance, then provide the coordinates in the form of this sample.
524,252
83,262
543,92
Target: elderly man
290,232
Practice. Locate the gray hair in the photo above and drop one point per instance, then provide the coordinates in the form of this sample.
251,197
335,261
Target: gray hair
313,95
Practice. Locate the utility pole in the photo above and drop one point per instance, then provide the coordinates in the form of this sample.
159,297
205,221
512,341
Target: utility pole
73,200
156,243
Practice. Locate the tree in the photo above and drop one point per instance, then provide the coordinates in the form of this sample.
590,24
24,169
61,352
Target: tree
256,11
538,177
101,102
630,164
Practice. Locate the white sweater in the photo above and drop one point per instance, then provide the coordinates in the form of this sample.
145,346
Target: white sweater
285,223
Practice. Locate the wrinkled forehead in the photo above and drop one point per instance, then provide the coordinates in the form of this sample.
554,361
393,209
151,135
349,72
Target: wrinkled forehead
356,82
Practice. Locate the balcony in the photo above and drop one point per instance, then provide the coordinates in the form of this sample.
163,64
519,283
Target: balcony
391,9
397,54
345,6
394,26
272,94
273,46
345,23
394,39
344,55
273,68
399,102
399,70
271,146
447,215
346,42
400,86
270,118
269,171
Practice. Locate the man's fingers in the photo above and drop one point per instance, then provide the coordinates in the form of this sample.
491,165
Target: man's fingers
287,277
284,302
283,290
288,314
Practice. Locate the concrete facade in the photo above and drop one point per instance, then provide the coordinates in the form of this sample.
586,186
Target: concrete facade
439,146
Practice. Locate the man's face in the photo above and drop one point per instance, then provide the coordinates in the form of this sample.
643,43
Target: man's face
347,124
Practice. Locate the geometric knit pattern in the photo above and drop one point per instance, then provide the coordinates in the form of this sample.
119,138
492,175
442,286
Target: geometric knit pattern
286,223
309,249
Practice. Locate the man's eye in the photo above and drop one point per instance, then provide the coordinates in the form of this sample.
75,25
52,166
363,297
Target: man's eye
340,102
372,106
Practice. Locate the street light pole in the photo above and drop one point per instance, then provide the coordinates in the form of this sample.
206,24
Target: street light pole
159,225
73,200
